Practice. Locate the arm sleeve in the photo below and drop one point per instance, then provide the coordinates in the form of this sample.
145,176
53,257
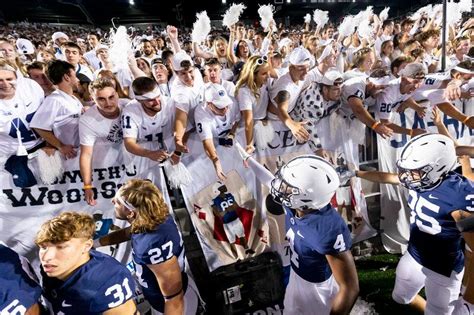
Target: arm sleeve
337,239
384,106
130,124
244,99
45,115
86,134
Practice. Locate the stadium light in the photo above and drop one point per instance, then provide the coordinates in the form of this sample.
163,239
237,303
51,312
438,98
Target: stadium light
288,1
224,1
131,2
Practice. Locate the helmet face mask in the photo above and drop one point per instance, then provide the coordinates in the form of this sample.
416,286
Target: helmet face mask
282,191
416,179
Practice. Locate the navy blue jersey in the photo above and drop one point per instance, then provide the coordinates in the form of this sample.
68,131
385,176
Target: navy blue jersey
154,248
18,288
312,237
100,284
435,241
222,203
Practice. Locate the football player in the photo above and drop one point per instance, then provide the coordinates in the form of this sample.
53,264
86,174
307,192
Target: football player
438,198
158,252
323,278
76,279
19,290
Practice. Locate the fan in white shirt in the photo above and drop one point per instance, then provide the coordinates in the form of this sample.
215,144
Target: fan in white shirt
99,125
57,120
251,92
187,93
19,100
397,92
286,89
218,120
73,55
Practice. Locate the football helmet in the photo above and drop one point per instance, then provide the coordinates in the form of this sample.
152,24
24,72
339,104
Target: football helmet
425,160
305,182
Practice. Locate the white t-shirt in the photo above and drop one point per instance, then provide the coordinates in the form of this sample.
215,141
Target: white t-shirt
95,128
285,83
139,125
60,113
247,101
85,70
354,87
18,113
92,59
209,125
389,99
187,98
431,88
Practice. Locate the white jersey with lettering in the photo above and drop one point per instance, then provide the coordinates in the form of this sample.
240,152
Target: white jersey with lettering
16,114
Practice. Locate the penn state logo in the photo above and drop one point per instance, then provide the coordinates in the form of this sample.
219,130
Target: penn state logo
221,93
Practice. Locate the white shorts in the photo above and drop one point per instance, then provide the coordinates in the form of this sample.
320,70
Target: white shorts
304,297
191,298
234,228
441,291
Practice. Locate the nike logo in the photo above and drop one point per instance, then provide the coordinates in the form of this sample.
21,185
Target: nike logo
433,197
65,304
298,232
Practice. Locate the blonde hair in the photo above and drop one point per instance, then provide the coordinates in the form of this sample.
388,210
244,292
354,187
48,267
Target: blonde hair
66,226
150,207
359,57
247,76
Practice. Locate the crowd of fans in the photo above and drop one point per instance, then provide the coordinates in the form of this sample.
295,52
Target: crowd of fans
61,93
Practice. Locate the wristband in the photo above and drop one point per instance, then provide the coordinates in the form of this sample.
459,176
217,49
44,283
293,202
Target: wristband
177,153
87,187
169,297
215,159
375,124
466,119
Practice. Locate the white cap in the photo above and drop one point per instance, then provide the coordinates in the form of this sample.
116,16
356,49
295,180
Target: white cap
330,76
414,70
58,35
101,46
299,56
284,42
216,94
24,46
178,59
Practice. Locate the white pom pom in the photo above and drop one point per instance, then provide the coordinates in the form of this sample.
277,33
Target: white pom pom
178,174
266,15
365,30
320,17
347,27
120,47
362,307
201,27
465,5
384,14
263,134
232,15
427,9
307,18
454,14
50,167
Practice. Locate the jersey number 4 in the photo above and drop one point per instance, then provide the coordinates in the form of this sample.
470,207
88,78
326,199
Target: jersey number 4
420,214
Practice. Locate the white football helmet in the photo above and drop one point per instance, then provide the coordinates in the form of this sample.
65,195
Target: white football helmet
425,161
305,182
